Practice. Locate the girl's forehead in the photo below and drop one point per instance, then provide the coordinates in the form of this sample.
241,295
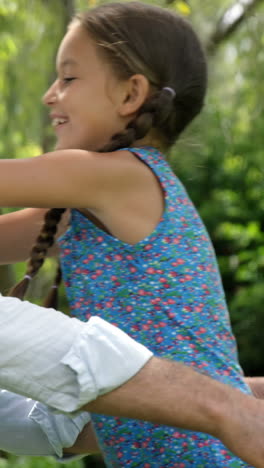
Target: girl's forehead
75,47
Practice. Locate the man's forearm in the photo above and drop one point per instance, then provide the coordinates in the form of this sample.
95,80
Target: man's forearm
170,393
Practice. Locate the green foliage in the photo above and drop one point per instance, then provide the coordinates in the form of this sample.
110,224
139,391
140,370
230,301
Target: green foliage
220,159
36,462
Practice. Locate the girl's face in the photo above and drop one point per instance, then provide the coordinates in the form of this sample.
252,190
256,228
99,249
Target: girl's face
85,98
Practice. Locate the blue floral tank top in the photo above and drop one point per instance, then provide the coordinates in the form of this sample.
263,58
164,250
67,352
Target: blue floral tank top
166,292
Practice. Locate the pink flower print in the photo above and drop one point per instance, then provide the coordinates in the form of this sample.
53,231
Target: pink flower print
162,324
159,339
148,247
132,269
129,257
99,239
142,292
162,280
180,337
129,308
118,257
136,445
188,277
145,327
171,301
171,315
156,300
176,435
150,270
173,274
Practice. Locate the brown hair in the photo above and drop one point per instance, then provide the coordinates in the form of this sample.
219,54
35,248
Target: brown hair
139,38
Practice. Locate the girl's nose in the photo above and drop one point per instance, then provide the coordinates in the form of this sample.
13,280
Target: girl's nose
50,96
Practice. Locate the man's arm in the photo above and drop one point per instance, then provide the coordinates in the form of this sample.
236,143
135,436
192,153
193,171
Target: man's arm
67,364
170,393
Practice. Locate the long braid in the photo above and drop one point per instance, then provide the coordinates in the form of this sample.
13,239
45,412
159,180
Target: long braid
39,250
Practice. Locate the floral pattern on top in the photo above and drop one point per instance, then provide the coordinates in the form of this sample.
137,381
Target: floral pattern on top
165,292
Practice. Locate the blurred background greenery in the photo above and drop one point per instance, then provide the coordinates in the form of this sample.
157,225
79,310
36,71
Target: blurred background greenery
219,159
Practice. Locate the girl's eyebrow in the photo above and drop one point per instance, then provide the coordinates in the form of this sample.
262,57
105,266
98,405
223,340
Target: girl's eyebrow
67,62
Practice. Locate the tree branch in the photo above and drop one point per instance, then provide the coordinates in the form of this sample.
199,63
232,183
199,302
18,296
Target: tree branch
230,21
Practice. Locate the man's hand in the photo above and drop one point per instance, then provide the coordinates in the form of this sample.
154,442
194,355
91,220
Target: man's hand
85,443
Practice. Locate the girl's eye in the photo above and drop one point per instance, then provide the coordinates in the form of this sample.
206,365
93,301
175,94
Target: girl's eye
68,79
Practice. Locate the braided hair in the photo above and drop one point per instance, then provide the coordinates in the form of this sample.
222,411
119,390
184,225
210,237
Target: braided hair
138,38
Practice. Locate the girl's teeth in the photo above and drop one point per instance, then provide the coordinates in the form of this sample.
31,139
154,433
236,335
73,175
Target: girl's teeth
58,121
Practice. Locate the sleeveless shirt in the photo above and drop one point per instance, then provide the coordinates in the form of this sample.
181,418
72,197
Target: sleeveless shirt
165,291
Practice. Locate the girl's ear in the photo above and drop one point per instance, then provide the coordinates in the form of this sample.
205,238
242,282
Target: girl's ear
136,91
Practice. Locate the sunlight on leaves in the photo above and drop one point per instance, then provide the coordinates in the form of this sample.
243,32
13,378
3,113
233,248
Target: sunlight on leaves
182,7
92,3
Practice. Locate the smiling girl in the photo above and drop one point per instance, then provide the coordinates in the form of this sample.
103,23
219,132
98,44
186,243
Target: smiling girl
132,247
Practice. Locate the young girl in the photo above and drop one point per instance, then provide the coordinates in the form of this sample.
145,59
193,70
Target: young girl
133,249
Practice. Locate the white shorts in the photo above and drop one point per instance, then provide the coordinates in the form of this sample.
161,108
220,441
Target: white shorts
62,361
